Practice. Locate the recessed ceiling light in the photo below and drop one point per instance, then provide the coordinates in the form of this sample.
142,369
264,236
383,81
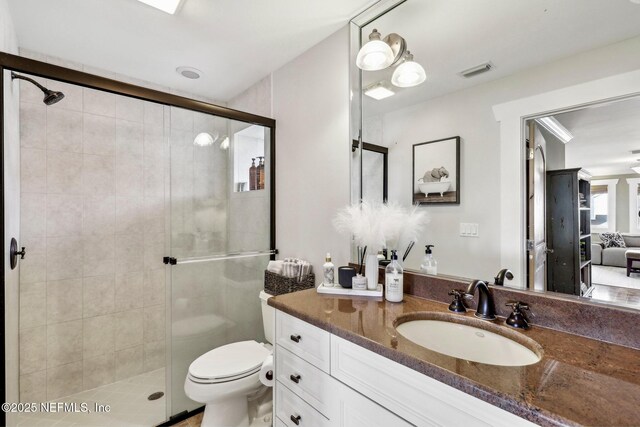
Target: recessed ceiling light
189,72
168,6
378,91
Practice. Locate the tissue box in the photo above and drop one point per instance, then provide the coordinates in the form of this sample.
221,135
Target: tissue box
276,284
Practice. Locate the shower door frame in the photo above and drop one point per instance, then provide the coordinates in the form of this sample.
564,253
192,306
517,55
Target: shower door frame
79,78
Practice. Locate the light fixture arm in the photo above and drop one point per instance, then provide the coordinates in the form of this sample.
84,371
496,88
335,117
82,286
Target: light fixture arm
398,46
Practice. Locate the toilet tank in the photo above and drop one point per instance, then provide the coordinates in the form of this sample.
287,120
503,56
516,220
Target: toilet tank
268,317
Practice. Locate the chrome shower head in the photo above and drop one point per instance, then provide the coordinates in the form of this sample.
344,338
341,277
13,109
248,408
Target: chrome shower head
50,96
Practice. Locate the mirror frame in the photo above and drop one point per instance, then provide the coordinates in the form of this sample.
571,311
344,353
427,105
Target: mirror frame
511,116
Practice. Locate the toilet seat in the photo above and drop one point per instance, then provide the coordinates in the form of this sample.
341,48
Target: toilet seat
228,363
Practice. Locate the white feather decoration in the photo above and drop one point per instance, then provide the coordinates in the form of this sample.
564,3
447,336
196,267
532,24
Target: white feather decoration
381,225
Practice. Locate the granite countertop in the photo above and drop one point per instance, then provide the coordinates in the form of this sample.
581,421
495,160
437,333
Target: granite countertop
578,381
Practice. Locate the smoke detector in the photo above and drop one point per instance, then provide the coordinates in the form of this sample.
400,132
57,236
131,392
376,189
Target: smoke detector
478,69
189,72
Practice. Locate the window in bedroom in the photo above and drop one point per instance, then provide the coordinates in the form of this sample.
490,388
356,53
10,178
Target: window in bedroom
603,205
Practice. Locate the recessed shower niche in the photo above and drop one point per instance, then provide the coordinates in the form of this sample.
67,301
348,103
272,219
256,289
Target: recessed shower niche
249,161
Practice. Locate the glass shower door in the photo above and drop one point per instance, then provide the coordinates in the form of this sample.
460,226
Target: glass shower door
220,238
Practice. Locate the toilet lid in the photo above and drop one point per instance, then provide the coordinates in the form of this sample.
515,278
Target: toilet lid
229,361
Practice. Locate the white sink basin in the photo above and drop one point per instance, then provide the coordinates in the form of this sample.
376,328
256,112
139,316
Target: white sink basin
468,342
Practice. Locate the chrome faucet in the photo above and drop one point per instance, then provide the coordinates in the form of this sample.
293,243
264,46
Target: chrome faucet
486,306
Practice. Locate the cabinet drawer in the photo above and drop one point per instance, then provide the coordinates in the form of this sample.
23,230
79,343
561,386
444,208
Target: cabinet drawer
280,423
419,399
304,340
310,383
295,412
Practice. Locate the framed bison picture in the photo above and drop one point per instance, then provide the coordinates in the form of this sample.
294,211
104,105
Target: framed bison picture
436,172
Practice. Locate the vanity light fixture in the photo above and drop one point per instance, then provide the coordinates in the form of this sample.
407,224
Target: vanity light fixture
224,145
378,91
378,54
204,139
168,6
409,73
555,127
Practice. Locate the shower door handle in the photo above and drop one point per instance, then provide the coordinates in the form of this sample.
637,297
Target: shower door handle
14,252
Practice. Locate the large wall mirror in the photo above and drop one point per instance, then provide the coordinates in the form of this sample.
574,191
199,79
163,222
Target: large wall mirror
507,92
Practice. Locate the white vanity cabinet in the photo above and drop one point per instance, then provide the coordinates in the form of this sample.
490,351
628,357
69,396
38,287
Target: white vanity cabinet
323,380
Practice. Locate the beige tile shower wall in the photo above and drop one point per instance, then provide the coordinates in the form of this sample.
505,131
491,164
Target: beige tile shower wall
249,212
92,287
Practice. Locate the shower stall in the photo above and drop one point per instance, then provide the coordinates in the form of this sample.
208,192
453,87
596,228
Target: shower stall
147,220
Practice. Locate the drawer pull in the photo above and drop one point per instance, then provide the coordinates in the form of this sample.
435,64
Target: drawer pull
295,338
295,378
296,419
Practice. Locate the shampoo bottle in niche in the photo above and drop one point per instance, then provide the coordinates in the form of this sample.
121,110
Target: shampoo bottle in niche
260,174
253,174
429,264
393,289
329,271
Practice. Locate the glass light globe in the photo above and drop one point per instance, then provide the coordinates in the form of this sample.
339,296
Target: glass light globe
204,139
408,74
375,55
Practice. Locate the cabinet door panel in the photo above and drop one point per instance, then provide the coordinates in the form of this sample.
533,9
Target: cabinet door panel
419,399
358,411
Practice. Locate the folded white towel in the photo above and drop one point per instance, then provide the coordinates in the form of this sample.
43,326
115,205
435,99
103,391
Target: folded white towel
275,267
290,267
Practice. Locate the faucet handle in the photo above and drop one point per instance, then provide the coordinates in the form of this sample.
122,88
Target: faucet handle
517,305
457,305
516,319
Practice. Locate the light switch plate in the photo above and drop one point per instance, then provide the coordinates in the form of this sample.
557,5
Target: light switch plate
469,229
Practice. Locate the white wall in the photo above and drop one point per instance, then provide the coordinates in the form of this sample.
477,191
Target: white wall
311,108
468,113
9,43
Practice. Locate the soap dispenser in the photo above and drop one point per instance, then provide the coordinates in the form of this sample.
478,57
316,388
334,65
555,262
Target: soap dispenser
429,264
394,287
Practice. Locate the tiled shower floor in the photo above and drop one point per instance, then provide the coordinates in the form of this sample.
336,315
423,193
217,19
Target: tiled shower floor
127,398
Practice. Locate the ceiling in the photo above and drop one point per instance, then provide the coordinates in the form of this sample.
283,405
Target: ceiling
234,43
604,137
449,36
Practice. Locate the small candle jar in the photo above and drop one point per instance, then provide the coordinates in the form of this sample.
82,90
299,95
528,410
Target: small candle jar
359,282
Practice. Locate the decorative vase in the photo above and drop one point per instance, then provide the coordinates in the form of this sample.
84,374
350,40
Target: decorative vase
371,271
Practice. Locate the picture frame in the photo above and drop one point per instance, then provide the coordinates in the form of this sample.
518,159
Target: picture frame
436,172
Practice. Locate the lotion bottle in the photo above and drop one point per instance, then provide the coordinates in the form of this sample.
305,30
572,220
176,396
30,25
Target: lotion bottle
394,287
429,264
328,271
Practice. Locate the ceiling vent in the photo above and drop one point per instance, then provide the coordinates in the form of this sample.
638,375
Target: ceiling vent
478,69
635,151
189,72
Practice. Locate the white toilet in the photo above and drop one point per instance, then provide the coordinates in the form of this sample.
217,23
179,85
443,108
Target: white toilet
224,378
